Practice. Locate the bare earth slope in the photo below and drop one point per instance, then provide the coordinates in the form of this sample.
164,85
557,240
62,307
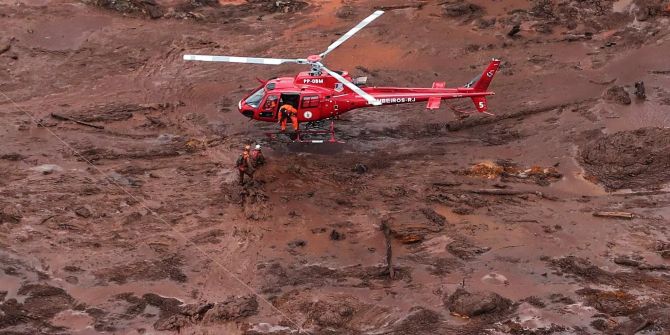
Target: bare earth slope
138,226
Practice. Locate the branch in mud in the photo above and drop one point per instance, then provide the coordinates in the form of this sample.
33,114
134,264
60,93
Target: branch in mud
616,215
394,7
474,122
389,252
65,118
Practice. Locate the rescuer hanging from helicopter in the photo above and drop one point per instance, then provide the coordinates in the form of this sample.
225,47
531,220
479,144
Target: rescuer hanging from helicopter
287,111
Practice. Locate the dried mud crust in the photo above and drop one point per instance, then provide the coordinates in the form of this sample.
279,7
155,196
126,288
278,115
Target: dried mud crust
629,159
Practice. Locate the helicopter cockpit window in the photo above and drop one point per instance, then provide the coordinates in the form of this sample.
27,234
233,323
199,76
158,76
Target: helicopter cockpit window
271,102
255,99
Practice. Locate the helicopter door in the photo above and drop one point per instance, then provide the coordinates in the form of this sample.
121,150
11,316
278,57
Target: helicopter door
269,108
310,108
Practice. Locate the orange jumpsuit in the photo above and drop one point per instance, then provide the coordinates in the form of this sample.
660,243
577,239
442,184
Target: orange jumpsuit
292,114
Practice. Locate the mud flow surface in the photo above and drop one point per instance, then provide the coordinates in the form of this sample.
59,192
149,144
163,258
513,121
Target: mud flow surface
120,211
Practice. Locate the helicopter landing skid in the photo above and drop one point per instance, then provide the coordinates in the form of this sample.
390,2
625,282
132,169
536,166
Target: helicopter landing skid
312,129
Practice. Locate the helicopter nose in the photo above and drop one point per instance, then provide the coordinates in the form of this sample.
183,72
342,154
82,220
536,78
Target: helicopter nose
246,112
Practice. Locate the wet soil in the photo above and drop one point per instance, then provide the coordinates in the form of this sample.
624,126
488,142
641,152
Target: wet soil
132,221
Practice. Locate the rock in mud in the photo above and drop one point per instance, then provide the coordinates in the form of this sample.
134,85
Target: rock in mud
233,308
629,159
83,212
617,94
469,304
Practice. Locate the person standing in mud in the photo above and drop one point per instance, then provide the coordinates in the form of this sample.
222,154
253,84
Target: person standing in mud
257,158
244,165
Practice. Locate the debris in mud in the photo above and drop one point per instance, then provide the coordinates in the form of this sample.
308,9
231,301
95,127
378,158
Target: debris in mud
12,157
420,320
663,249
629,159
297,244
47,168
10,214
617,94
278,276
464,303
462,9
44,301
111,112
233,308
346,12
144,7
255,202
166,268
336,235
640,92
211,236
413,227
617,215
360,168
464,249
434,217
330,314
612,303
65,118
278,6
515,30
507,169
501,135
5,45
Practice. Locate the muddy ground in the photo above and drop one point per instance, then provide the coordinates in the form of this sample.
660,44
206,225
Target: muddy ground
138,226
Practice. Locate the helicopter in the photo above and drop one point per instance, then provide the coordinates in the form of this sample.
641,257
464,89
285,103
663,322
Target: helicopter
321,94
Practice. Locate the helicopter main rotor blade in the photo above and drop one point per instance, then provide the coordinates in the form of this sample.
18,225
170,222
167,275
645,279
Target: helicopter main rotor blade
248,60
371,100
353,31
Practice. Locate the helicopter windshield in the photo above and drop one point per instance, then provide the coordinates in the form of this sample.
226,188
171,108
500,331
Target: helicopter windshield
255,99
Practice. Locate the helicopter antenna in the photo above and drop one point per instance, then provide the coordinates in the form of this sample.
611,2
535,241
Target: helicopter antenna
314,60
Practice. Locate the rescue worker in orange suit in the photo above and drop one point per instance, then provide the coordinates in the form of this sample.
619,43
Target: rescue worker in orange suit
244,165
257,158
286,111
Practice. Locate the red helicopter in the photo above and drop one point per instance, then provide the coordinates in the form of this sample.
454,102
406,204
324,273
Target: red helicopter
321,94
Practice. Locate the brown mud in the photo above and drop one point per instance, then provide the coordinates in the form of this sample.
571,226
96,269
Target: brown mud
131,221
